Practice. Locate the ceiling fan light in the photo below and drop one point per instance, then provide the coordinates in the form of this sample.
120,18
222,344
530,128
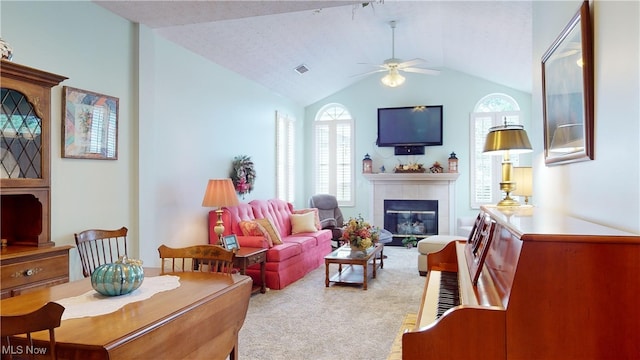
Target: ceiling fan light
393,79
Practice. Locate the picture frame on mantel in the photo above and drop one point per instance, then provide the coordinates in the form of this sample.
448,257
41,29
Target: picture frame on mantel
567,93
89,125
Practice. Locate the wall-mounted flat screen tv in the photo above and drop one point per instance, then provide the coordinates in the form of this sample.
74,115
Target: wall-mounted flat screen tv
410,126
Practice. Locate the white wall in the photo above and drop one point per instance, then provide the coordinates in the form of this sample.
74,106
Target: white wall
607,189
182,119
457,92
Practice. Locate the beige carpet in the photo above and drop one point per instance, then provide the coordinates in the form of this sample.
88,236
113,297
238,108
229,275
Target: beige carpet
307,320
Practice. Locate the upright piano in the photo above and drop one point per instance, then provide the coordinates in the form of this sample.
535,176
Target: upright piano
531,284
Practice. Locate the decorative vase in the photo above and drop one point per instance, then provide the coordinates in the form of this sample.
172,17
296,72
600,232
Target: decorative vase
119,278
5,50
357,252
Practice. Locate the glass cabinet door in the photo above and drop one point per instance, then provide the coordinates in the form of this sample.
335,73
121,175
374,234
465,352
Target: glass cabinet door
21,133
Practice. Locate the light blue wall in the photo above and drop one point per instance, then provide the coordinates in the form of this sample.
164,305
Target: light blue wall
607,189
94,49
457,92
182,119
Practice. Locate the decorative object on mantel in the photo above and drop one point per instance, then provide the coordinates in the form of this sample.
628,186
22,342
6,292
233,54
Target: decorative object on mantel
436,168
453,163
360,235
6,50
243,174
118,278
367,164
382,169
410,168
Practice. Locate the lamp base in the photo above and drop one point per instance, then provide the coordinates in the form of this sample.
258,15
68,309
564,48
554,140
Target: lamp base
219,228
508,201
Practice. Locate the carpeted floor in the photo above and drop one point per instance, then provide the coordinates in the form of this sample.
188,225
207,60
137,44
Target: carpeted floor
307,320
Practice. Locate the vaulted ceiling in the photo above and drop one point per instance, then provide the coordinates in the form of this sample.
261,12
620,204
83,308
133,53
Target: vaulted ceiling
266,40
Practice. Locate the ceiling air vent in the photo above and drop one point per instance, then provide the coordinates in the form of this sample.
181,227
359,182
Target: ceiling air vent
301,69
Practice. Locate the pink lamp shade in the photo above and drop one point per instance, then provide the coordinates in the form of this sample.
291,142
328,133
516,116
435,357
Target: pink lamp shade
219,193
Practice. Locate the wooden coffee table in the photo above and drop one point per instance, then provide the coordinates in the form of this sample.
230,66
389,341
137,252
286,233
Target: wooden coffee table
357,271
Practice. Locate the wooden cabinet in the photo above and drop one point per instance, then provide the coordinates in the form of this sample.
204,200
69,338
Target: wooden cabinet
25,123
25,180
26,268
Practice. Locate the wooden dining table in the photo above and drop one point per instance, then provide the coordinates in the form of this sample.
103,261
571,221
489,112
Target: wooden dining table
200,319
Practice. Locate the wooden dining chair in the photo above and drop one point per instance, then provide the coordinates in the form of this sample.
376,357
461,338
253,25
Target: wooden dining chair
211,258
46,318
97,247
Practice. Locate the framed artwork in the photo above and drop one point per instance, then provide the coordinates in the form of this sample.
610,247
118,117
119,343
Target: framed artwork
89,125
567,92
230,242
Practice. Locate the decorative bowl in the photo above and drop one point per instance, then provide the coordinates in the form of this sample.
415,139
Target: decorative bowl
118,278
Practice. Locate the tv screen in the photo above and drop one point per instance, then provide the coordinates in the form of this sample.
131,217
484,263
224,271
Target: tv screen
410,126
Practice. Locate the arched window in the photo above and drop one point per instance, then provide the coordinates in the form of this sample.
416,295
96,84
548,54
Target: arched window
333,153
485,174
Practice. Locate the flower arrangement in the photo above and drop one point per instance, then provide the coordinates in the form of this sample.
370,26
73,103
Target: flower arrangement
409,168
360,234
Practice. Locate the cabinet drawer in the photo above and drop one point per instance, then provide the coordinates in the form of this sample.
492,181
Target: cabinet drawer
22,273
255,259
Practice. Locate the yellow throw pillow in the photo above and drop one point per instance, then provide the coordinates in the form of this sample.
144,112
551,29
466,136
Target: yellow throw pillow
316,215
271,230
301,223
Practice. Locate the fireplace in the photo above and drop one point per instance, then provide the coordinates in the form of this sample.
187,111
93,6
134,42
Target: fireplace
406,218
438,187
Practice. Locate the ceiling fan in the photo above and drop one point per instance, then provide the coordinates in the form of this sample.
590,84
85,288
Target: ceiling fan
393,65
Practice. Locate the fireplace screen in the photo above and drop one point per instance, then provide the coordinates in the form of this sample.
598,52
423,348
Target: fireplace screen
405,218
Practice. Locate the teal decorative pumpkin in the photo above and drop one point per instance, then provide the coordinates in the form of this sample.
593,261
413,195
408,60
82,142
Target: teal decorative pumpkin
118,278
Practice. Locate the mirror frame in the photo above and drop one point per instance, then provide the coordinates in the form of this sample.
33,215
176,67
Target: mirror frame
561,104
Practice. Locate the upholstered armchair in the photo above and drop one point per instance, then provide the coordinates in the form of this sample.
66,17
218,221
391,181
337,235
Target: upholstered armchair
329,213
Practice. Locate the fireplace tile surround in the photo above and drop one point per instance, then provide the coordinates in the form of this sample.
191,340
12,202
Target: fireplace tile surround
415,186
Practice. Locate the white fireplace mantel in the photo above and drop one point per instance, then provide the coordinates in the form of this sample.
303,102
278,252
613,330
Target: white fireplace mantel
411,177
415,186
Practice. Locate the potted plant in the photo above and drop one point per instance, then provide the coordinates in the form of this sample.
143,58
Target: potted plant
410,241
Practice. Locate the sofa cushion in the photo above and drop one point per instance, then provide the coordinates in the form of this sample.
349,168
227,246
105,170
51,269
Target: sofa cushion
315,214
306,242
270,231
302,223
281,213
254,228
282,252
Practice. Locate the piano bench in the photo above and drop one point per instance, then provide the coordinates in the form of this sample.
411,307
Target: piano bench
432,244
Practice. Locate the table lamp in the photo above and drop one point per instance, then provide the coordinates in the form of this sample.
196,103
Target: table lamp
503,140
523,177
219,193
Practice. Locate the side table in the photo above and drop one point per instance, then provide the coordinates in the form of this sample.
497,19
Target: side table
246,257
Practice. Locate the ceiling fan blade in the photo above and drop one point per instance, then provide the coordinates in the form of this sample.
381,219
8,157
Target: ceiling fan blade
382,66
369,72
422,71
411,62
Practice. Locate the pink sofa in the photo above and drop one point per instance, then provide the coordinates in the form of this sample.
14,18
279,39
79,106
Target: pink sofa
287,262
